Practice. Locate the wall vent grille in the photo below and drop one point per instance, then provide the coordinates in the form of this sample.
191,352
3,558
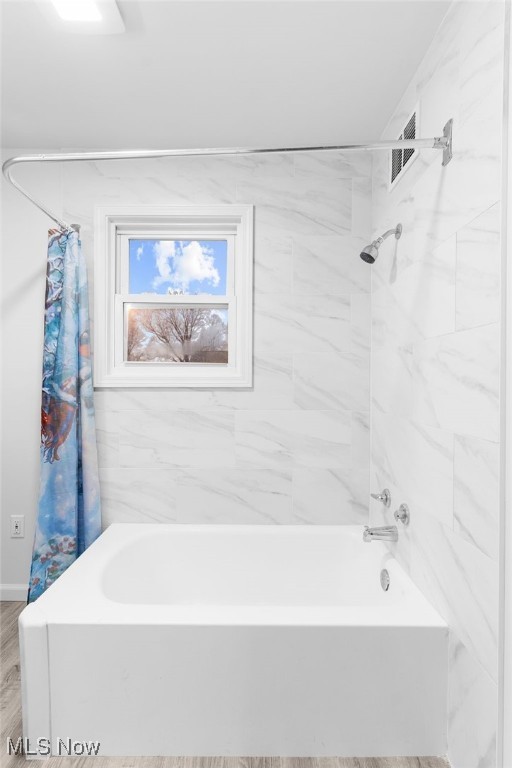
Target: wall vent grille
401,157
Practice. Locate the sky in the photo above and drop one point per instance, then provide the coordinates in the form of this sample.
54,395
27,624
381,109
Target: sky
188,266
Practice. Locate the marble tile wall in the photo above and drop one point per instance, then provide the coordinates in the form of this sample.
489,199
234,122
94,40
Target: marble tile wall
294,448
435,359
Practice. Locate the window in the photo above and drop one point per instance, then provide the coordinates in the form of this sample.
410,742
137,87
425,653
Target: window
173,287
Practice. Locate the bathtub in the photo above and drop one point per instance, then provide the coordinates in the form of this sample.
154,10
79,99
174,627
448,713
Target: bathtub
235,640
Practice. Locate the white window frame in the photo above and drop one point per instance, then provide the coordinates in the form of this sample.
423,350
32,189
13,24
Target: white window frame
114,226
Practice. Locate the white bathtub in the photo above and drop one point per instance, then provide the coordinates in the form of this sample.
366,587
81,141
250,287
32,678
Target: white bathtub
235,640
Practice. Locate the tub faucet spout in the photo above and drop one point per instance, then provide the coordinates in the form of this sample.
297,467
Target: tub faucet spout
384,533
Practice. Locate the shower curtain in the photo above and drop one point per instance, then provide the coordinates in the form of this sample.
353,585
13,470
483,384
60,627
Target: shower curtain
69,517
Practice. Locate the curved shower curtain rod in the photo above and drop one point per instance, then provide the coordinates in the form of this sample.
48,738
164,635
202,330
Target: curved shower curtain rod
443,142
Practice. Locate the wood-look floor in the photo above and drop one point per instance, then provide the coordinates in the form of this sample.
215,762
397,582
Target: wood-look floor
10,713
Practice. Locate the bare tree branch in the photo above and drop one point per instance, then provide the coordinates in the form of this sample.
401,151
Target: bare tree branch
182,325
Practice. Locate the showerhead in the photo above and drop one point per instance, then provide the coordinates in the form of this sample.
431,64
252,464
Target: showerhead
371,251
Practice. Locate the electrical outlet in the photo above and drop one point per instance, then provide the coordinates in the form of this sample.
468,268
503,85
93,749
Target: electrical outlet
17,526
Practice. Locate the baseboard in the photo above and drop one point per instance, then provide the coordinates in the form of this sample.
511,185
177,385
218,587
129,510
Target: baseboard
15,592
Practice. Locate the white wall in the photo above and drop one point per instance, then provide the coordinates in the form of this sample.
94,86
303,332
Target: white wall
296,446
436,359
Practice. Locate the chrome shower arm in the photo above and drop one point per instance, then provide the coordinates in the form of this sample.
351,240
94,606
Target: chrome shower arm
387,234
396,231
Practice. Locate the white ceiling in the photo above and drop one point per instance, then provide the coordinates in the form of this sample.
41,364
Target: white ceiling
217,73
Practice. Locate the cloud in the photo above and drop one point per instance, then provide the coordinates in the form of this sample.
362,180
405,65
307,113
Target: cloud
140,251
164,251
181,265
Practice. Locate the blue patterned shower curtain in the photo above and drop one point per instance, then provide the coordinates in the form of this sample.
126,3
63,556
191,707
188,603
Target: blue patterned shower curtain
69,517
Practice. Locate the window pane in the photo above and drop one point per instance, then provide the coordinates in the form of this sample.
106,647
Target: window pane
184,334
178,266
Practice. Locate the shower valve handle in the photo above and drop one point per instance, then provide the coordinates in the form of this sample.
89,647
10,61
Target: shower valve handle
402,514
385,497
